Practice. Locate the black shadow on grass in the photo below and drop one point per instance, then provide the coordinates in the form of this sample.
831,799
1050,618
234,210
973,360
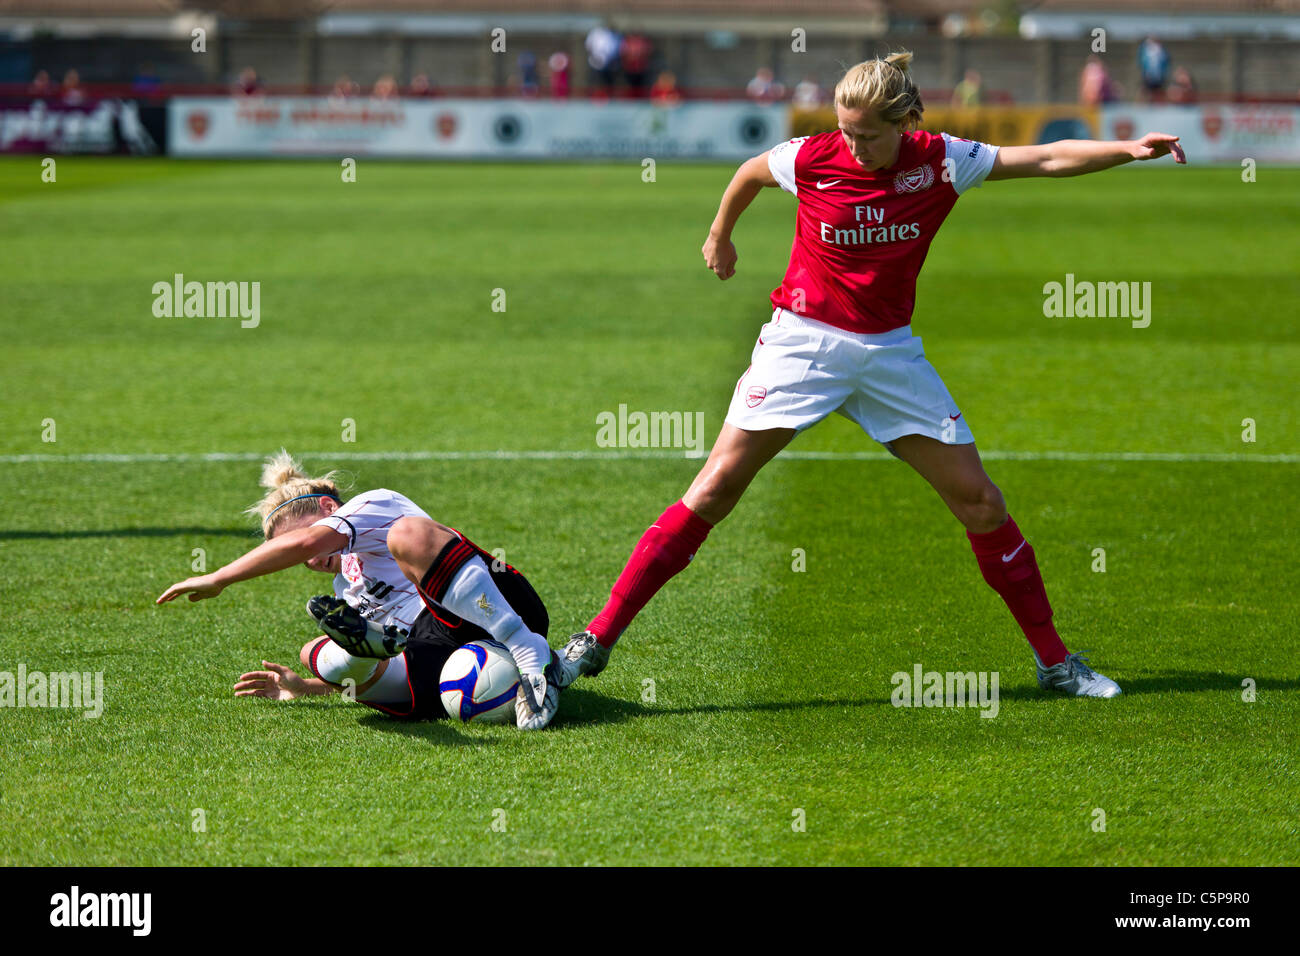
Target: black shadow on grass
584,707
1197,681
128,533
1164,682
441,733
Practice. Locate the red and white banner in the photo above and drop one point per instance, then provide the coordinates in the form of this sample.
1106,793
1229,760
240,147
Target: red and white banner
1214,133
465,129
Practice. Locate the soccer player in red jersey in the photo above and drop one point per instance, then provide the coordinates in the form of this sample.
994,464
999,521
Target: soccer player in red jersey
871,196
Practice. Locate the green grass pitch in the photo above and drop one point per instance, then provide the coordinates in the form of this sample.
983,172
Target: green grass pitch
748,696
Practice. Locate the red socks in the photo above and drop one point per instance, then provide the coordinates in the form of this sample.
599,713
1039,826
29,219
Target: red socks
665,549
1007,563
1005,558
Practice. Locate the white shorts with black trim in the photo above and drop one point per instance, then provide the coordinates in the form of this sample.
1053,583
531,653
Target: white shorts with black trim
802,370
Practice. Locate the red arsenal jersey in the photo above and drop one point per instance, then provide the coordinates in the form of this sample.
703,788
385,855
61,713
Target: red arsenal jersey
861,236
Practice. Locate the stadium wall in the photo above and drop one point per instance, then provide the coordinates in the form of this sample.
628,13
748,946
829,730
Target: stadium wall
1014,69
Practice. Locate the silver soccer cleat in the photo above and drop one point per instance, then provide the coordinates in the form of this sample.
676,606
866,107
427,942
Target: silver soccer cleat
583,657
1074,677
538,698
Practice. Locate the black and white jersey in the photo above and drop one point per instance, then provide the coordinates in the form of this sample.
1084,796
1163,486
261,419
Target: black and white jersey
370,579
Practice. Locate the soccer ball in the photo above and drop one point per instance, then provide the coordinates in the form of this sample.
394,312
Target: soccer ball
479,683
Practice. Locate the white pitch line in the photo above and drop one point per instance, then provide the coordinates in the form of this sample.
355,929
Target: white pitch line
622,454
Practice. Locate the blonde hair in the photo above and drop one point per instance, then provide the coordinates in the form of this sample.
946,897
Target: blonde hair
883,85
285,481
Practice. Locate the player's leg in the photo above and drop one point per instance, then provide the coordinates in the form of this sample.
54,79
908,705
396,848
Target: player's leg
669,544
1006,560
367,680
736,458
450,573
903,403
799,373
352,632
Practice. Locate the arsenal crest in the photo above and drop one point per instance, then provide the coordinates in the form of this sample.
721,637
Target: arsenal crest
198,123
914,180
754,397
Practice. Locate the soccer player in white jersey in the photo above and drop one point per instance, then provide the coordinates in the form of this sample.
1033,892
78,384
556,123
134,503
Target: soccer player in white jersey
409,592
871,197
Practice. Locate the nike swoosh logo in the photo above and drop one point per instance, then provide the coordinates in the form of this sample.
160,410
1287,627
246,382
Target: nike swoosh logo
822,185
1008,557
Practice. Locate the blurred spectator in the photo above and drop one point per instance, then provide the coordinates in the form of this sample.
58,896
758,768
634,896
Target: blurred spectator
71,91
558,64
248,84
602,55
808,94
41,85
385,88
528,81
1153,64
635,53
665,91
344,88
764,88
1095,85
1183,89
420,85
966,94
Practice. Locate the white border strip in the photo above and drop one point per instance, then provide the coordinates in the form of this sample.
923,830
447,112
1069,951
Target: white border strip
620,454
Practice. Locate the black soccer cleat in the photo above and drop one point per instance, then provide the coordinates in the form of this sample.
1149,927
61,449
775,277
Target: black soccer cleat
352,632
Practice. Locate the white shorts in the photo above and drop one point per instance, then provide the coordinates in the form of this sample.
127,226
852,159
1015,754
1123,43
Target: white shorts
802,370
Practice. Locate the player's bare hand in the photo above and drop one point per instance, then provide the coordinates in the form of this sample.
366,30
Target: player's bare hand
204,586
1155,145
720,257
276,683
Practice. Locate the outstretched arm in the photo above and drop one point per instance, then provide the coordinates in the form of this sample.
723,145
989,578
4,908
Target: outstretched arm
719,251
1074,157
282,551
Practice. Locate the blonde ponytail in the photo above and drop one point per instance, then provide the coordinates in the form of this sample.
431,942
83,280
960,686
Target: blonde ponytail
291,493
884,86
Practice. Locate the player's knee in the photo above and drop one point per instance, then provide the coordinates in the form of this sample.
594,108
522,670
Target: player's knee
304,655
982,508
713,497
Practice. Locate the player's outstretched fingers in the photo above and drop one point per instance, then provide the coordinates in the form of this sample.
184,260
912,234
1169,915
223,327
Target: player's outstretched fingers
204,586
255,683
169,595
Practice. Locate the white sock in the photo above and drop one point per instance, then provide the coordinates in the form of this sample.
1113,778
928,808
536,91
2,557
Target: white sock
473,595
391,688
334,665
